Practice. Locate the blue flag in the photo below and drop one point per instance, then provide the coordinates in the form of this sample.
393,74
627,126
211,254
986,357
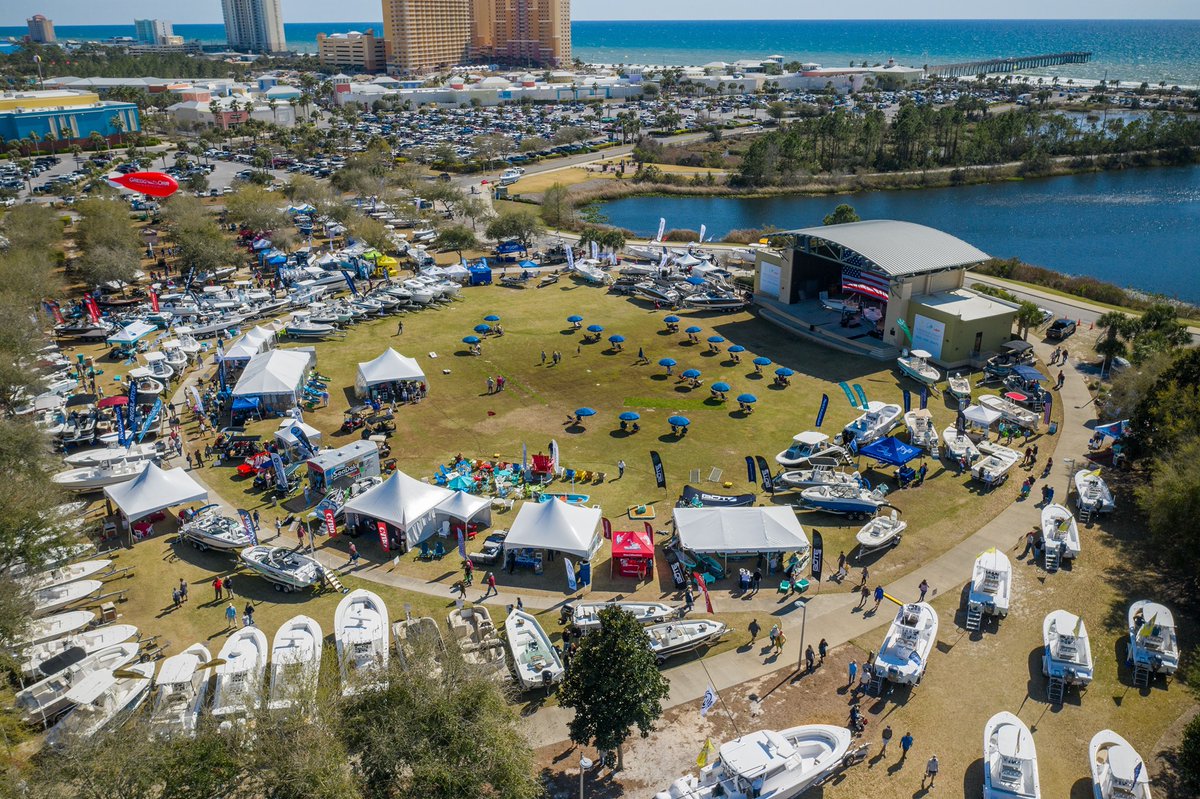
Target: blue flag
150,418
298,434
821,411
350,282
248,526
849,395
907,400
570,567
280,474
1049,399
133,404
924,396
862,395
122,439
751,475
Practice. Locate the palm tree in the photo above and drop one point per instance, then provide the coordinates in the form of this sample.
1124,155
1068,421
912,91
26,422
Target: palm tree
34,139
118,124
1028,315
1117,329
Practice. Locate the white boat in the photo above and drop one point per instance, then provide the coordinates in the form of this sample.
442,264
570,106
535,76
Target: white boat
808,445
287,569
879,419
56,597
1152,643
882,531
996,463
176,358
148,386
715,300
239,678
417,640
959,446
657,292
960,386
1067,655
93,478
421,293
991,584
45,699
537,662
908,644
481,646
854,501
160,370
57,626
180,692
1060,531
917,366
295,662
102,699
1118,771
817,473
650,251
1010,768
672,638
590,272
209,529
360,628
586,615
302,326
511,176
768,764
69,573
921,432
1092,494
38,660
1010,411
104,456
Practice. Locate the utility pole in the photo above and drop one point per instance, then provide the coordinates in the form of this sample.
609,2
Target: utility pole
802,603
584,765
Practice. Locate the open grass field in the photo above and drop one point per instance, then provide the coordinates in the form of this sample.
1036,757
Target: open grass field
571,176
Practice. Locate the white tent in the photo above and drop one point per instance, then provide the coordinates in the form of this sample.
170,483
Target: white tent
556,525
284,434
153,490
274,378
741,530
466,508
405,503
984,417
248,345
389,367
131,334
457,272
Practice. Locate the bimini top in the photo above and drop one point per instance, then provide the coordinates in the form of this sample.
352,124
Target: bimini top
896,248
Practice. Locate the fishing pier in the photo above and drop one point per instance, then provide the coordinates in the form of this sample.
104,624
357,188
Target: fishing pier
1001,65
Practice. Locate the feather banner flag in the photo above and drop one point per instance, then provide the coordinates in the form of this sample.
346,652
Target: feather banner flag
849,395
821,411
924,397
764,471
862,395
751,477
660,474
907,400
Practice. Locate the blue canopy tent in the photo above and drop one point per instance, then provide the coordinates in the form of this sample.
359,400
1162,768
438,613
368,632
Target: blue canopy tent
891,451
1114,430
481,275
1029,374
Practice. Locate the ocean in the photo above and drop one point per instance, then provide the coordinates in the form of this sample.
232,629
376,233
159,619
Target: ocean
1126,50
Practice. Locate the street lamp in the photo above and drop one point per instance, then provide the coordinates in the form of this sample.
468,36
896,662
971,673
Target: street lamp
584,765
802,603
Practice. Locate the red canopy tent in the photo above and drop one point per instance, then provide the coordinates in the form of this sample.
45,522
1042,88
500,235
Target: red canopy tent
633,552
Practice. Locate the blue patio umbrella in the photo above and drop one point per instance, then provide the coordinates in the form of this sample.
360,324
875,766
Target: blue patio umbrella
691,373
737,348
721,386
595,329
761,361
667,362
783,371
616,339
679,421
670,320
692,329
491,318
629,416
749,399
585,412
483,328
470,339
715,340
696,280
574,318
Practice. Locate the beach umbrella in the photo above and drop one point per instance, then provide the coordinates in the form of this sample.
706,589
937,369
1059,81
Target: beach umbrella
749,399
483,328
574,318
470,339
721,386
783,371
491,318
716,340
691,373
616,339
737,348
679,421
667,362
585,412
761,361
696,280
672,319
629,416
692,329
595,329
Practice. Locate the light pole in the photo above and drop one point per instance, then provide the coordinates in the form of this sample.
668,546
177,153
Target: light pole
584,765
802,603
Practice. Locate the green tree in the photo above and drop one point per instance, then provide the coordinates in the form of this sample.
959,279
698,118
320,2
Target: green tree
1117,328
841,215
1158,330
255,208
1028,316
1170,502
457,238
1168,412
613,684
196,182
1188,762
202,245
557,208
476,209
524,226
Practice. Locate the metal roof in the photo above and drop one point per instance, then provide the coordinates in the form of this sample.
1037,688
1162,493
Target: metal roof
898,248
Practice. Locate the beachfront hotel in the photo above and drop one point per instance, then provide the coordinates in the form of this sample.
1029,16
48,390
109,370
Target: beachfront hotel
41,30
363,52
254,25
425,35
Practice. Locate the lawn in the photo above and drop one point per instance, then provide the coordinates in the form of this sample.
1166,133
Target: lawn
538,182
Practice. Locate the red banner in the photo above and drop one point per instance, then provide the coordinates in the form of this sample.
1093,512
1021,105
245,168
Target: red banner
704,590
93,309
330,523
154,301
383,536
649,531
58,317
607,528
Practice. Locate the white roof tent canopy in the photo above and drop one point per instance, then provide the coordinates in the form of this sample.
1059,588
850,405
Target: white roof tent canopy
984,417
466,507
273,372
284,433
556,525
740,530
399,500
389,367
897,249
153,490
132,333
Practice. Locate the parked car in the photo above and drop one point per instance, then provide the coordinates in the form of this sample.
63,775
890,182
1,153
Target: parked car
1061,329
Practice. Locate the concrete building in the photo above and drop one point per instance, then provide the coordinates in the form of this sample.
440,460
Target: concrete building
362,52
64,117
488,92
228,112
41,30
254,25
426,35
874,287
483,28
533,32
154,31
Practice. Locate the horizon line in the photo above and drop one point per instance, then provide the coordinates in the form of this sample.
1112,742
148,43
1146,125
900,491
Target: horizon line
700,19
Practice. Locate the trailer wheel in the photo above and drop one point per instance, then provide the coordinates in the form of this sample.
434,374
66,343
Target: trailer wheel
278,587
660,661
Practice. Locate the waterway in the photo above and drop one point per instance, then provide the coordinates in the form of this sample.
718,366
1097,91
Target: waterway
1138,228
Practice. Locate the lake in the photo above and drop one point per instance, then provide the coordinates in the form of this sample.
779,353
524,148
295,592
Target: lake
1138,228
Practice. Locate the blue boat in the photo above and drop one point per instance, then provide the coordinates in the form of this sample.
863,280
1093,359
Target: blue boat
570,499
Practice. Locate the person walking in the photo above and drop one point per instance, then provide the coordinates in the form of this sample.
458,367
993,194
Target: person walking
931,771
400,328
689,601
862,583
175,597
924,586
218,587
878,597
183,589
491,585
864,595
756,580
780,640
853,670
1030,538
249,614
230,616
1061,379
906,743
491,385
229,587
886,735
353,555
810,658
754,630
823,650
543,357
620,469
771,635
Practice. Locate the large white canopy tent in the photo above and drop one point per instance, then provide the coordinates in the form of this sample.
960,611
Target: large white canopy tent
389,367
740,530
284,434
407,504
274,378
466,508
979,415
153,490
255,341
560,526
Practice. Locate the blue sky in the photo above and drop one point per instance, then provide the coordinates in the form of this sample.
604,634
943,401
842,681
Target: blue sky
89,12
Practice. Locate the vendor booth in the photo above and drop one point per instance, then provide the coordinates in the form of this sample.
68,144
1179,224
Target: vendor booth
633,553
153,491
407,507
131,334
274,379
293,446
542,528
463,511
740,531
255,341
390,376
339,467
